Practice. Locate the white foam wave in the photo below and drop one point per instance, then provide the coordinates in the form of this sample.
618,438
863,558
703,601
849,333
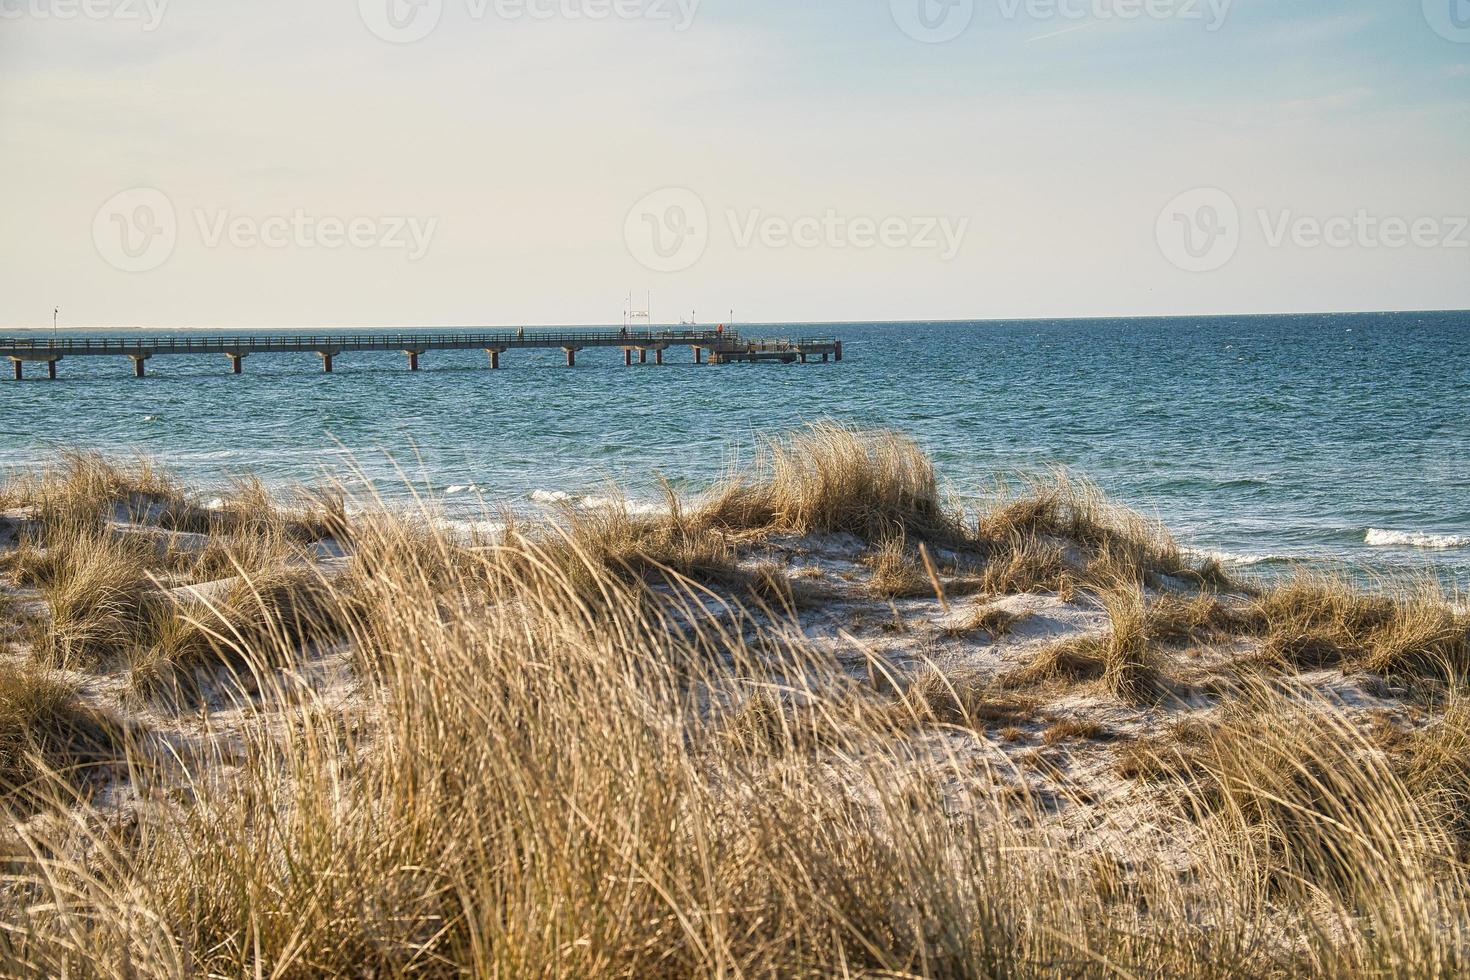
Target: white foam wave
460,488
595,502
636,507
1379,538
1230,559
467,531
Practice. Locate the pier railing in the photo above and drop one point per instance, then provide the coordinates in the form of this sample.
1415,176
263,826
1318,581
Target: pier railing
723,346
263,343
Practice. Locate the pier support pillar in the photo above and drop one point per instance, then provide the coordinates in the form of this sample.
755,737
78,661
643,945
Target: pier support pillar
838,347
658,356
824,358
237,363
51,370
698,354
627,357
803,358
571,356
413,361
643,355
494,358
20,371
326,361
139,371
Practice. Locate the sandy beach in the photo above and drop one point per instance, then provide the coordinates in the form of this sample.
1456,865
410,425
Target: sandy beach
813,720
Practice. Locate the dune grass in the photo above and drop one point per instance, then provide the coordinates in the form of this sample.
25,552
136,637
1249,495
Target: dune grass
1121,659
101,595
832,479
260,622
574,753
989,619
49,742
1317,620
87,488
896,571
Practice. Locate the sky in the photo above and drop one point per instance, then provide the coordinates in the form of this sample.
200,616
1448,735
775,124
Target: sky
280,163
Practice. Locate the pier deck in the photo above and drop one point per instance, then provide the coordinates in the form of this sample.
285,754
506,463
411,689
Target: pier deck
720,347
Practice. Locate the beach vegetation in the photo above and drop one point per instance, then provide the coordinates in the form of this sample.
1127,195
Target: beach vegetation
600,742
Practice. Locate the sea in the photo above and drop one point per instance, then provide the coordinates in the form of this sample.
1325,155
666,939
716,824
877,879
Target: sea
1267,441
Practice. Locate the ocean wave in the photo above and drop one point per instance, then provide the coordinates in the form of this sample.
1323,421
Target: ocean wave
460,488
595,502
467,531
1230,559
1379,538
637,507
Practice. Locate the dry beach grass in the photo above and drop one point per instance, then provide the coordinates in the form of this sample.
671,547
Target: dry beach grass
763,734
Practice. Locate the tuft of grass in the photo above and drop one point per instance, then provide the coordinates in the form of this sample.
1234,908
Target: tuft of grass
932,697
88,489
641,550
1315,620
1172,617
1433,761
46,734
1022,563
249,509
1076,730
1063,507
1120,659
772,588
266,545
990,619
102,598
1303,790
1069,661
262,622
897,573
1424,635
831,479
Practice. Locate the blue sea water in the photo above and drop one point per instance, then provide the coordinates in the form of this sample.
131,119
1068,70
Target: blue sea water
1332,438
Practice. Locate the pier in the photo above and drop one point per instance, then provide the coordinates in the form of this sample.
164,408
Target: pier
712,347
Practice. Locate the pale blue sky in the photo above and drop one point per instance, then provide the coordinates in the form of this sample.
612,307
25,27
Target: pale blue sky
517,148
